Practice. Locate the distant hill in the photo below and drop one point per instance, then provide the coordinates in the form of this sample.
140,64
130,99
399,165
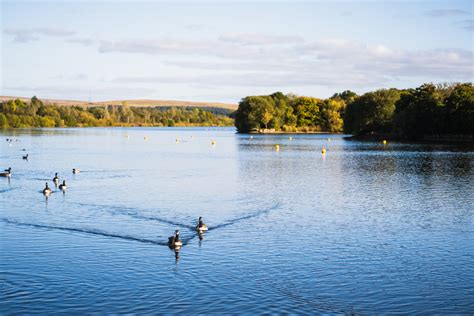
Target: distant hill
134,103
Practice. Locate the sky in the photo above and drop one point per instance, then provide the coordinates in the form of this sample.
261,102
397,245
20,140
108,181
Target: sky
226,50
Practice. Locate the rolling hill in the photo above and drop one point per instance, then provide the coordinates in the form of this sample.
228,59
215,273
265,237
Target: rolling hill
134,103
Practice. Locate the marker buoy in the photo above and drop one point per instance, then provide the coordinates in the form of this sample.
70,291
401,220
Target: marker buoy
277,147
384,142
323,151
213,142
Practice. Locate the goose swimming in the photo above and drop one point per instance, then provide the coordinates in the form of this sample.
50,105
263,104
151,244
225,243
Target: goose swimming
201,227
7,173
25,157
56,178
174,240
75,171
47,190
63,186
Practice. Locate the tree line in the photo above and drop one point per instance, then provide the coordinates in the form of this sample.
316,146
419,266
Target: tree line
291,113
20,114
429,110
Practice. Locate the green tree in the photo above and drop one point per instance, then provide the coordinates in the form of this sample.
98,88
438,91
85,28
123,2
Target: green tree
306,110
3,121
460,109
331,119
420,111
254,112
371,113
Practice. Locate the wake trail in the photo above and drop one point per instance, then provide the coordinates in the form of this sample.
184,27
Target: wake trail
246,217
85,231
7,190
133,212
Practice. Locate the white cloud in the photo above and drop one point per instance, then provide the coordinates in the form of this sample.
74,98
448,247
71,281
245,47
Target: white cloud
81,40
23,35
468,25
446,12
259,39
258,60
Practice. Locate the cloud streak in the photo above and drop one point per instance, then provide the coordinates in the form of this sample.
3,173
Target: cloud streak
259,39
24,35
468,25
446,13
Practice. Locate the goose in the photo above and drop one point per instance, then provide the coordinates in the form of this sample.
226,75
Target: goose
174,240
63,186
56,178
201,227
7,173
47,190
25,157
75,171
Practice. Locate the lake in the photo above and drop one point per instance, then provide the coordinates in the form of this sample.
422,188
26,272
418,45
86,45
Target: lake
366,228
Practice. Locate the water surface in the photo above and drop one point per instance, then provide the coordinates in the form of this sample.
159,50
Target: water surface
366,228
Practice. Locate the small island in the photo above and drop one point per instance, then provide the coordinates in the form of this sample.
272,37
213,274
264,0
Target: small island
429,112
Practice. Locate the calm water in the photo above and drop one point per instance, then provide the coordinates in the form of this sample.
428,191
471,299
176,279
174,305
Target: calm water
364,229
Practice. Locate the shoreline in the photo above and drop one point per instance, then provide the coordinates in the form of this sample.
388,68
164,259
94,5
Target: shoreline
292,133
427,139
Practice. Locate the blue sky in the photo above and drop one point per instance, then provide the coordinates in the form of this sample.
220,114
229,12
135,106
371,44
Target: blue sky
223,51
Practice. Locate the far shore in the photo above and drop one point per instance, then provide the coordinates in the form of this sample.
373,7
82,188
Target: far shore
273,131
421,139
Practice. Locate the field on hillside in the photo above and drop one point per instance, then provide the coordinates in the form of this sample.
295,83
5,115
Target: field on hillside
136,103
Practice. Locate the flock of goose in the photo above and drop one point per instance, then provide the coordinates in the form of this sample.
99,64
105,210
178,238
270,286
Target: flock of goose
47,190
173,242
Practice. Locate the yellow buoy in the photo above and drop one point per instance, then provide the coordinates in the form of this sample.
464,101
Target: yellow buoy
277,147
177,139
384,142
329,139
213,142
323,151
290,138
145,138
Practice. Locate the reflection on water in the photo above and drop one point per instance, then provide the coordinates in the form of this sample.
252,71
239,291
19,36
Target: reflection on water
364,228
